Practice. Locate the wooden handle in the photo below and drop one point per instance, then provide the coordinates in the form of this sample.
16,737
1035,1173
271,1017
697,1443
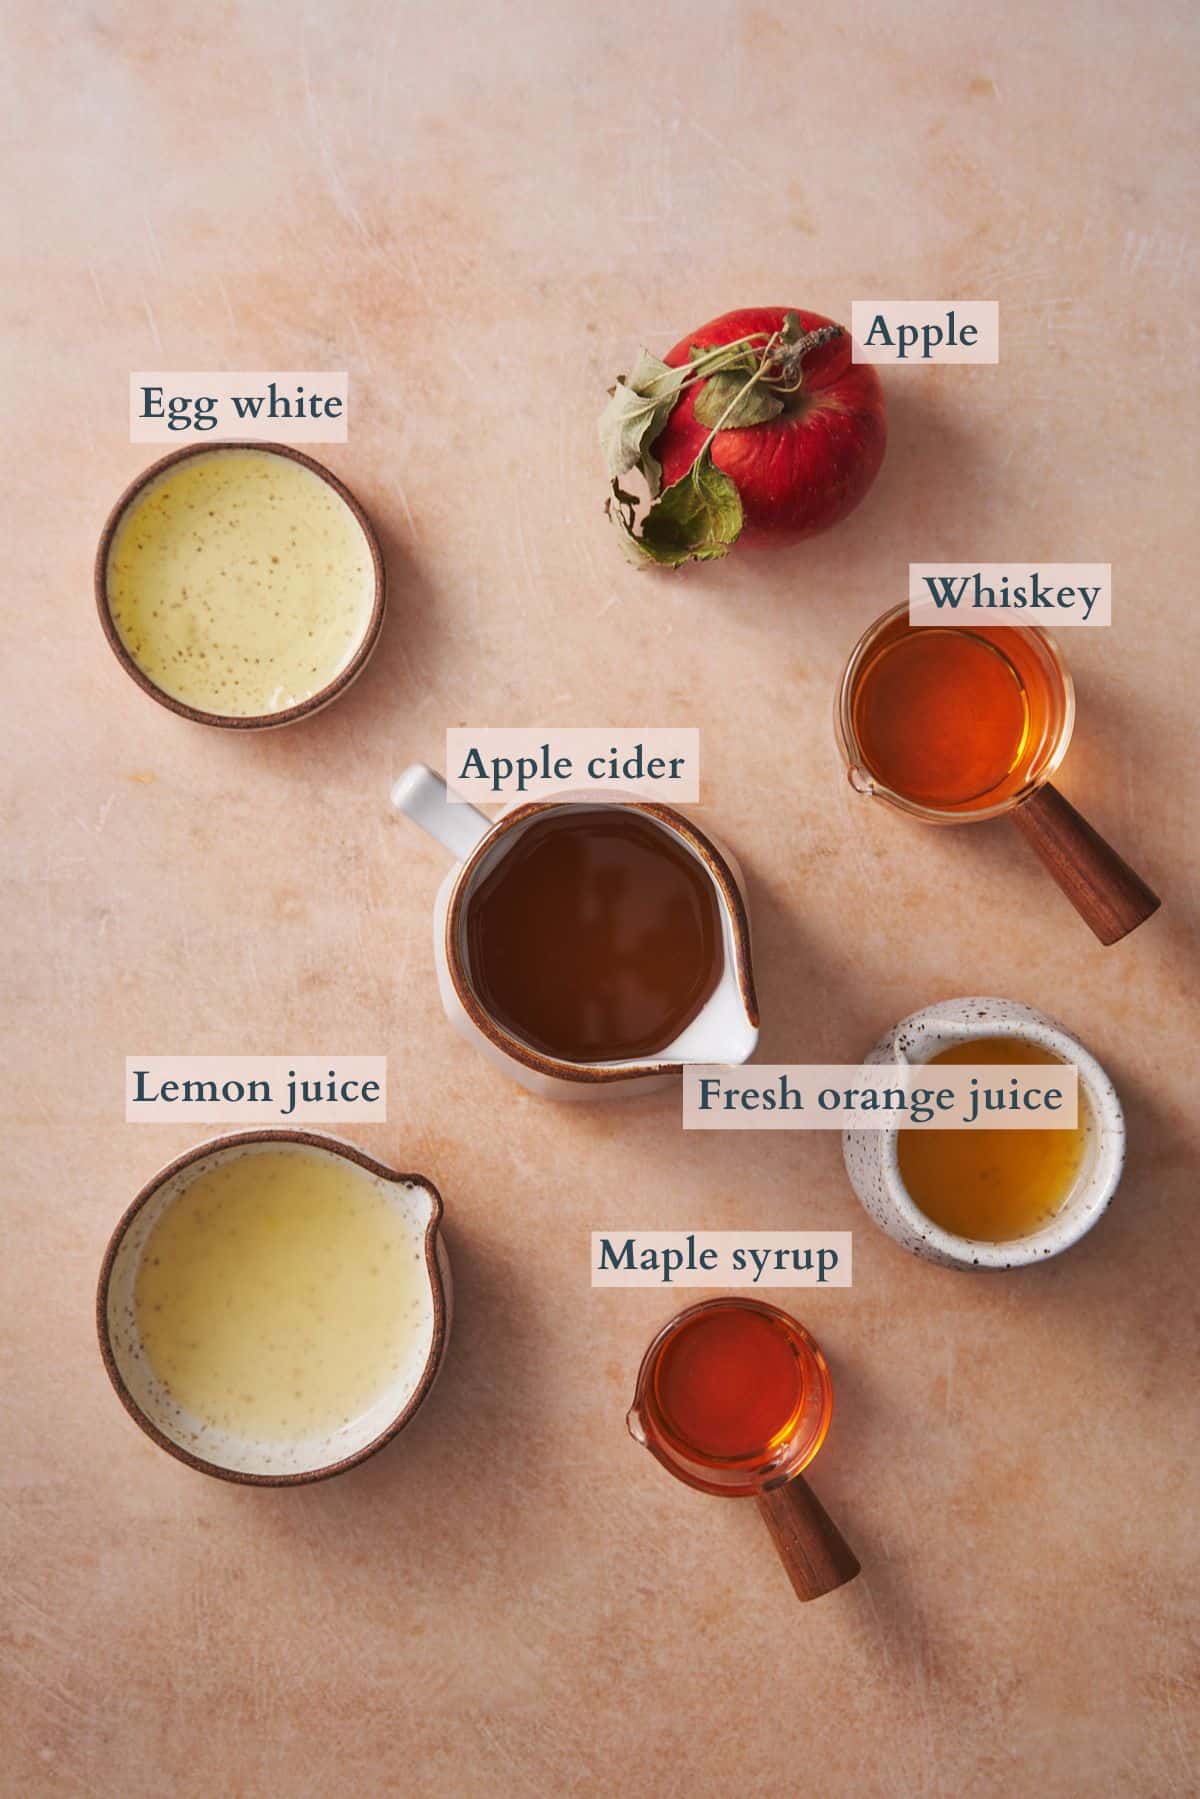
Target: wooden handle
811,1547
1099,884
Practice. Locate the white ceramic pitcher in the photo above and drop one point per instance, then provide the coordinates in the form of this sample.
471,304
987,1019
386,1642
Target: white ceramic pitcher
726,1028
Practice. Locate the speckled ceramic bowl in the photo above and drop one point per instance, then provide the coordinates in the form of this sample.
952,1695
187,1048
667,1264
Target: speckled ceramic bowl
872,1160
212,1451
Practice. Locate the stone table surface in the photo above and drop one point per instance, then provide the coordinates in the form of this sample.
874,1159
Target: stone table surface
481,213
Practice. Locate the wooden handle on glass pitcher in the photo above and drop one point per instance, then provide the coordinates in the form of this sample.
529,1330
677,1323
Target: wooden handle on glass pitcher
811,1547
1099,884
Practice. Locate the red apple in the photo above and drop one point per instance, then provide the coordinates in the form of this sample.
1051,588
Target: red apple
803,471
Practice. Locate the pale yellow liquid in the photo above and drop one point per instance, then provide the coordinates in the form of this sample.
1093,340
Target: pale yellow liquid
992,1186
278,1295
240,582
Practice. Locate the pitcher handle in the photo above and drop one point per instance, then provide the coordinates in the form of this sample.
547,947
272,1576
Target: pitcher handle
421,795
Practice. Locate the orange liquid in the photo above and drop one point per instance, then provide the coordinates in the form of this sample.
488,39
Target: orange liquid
729,1385
954,719
992,1186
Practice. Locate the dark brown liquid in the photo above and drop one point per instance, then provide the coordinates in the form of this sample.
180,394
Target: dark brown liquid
596,938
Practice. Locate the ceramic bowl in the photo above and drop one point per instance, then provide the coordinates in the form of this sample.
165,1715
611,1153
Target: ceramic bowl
872,1160
266,1464
265,721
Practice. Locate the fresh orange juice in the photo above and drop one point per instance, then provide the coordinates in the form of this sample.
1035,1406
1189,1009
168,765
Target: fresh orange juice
992,1186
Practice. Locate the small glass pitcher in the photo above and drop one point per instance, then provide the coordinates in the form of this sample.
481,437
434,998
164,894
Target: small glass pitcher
702,1409
1100,884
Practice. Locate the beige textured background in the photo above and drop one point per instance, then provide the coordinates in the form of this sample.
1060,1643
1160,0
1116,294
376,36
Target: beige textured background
481,212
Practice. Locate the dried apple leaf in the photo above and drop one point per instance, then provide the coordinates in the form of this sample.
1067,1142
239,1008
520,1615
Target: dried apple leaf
731,401
638,408
696,519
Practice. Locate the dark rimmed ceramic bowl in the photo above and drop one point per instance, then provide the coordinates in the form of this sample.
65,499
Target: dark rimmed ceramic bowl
264,1464
264,721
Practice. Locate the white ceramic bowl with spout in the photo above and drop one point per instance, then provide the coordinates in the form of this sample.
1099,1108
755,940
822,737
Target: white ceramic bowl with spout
200,1443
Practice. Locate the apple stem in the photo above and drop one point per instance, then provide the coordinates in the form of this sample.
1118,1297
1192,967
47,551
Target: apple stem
823,334
790,378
